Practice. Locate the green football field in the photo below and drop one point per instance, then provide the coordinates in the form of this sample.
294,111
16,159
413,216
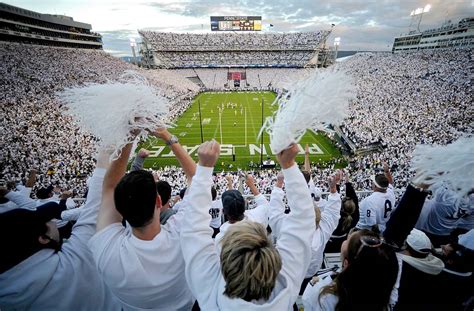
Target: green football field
234,119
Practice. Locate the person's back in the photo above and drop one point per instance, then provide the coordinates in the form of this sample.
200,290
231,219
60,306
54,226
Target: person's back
454,289
143,274
142,265
249,273
377,208
416,289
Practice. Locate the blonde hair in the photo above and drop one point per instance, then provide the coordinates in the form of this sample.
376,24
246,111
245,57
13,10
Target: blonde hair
348,208
250,263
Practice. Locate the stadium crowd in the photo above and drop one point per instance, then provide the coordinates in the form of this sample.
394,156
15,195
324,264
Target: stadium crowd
168,41
41,135
269,256
175,50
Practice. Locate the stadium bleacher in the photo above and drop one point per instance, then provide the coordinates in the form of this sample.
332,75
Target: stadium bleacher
176,50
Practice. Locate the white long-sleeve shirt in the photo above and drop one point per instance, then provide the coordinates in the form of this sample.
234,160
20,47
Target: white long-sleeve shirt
144,274
328,223
66,280
202,260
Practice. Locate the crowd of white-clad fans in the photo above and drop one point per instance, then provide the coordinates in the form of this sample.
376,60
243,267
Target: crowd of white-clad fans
184,238
167,41
428,91
182,50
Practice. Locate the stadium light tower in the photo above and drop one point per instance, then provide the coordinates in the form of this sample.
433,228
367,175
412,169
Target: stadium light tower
418,14
337,41
133,44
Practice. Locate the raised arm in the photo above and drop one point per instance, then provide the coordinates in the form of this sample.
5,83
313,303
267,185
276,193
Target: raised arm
230,180
332,211
386,171
31,179
307,166
250,182
184,159
277,206
139,160
85,226
108,214
260,212
405,216
18,198
298,227
199,252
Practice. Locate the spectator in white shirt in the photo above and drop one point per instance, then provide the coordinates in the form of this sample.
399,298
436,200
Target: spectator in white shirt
250,273
375,210
144,266
44,273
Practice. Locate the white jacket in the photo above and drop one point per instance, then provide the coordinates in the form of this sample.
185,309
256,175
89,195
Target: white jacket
202,260
67,280
329,220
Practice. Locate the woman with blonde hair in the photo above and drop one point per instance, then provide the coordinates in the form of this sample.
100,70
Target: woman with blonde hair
249,273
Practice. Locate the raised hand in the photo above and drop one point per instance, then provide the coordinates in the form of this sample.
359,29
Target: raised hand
249,180
143,153
162,133
208,153
286,158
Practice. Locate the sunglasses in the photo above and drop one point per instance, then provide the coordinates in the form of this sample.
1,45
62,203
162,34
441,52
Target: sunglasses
369,241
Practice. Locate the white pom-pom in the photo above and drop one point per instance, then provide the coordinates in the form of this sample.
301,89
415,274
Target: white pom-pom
312,103
110,111
451,165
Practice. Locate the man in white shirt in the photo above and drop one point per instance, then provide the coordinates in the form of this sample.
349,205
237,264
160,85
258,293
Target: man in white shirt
216,213
250,273
39,273
233,205
377,208
144,266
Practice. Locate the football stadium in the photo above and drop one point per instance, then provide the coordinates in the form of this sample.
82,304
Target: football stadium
182,155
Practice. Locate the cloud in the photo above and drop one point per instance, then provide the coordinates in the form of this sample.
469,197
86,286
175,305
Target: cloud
361,24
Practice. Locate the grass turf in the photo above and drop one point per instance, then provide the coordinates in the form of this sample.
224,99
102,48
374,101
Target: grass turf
236,128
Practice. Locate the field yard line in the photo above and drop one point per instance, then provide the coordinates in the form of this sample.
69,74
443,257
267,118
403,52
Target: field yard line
217,125
253,126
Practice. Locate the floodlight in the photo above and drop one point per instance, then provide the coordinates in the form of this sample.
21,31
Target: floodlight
132,39
418,11
427,8
412,13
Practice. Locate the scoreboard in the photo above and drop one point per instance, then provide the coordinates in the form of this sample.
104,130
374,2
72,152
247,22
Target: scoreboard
236,23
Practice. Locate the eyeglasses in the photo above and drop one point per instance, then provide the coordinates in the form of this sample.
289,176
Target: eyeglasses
369,241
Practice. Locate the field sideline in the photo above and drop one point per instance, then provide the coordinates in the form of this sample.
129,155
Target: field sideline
234,120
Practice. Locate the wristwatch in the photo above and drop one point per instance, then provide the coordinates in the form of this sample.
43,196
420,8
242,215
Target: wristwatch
172,140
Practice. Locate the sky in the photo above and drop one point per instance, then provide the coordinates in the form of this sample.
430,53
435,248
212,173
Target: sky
361,25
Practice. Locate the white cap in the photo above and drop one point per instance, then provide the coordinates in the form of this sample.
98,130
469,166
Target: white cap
467,239
419,241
